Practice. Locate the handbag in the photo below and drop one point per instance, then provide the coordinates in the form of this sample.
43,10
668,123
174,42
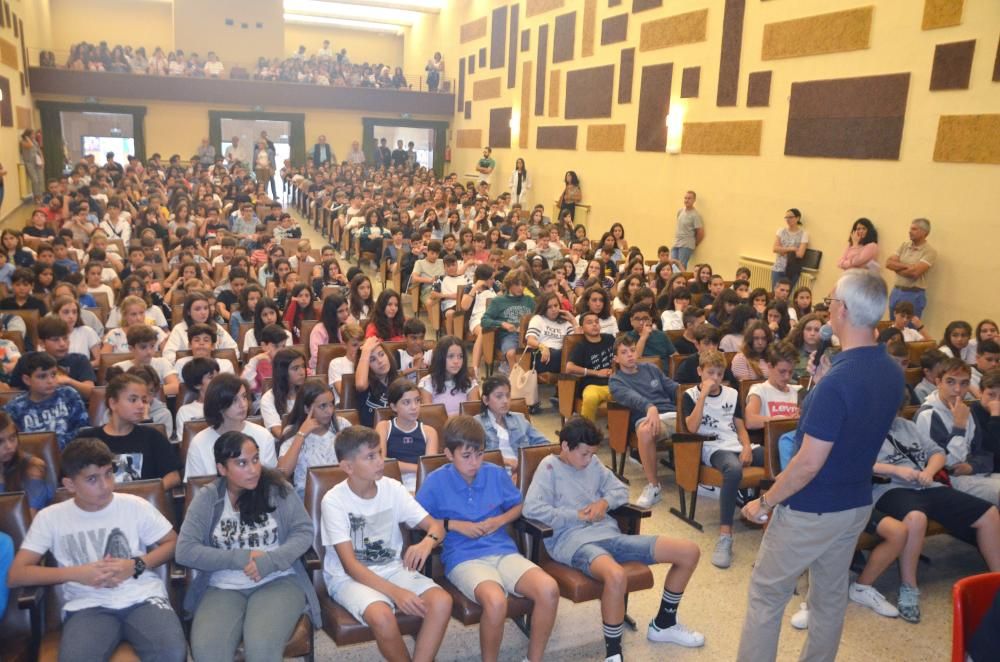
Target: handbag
524,383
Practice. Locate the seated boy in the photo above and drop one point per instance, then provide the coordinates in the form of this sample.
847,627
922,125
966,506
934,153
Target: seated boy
706,339
201,340
272,338
946,419
22,281
713,409
197,373
693,317
144,342
987,358
904,319
986,414
365,567
475,298
427,270
504,314
591,361
105,545
479,556
572,492
651,399
413,356
930,364
650,341
74,370
447,289
900,353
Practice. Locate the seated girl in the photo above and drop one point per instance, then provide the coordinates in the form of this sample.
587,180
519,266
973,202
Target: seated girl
299,308
309,434
404,437
547,331
375,370
449,381
749,362
197,310
266,312
597,300
360,300
672,318
332,317
133,311
627,287
733,331
806,338
244,312
289,374
957,341
505,430
21,471
387,319
777,398
82,339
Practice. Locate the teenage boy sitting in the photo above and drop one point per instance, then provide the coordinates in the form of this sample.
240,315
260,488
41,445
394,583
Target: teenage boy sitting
201,340
105,545
504,313
693,317
365,568
47,406
479,556
591,361
22,281
197,373
713,409
447,290
74,370
572,492
987,358
946,419
144,343
905,319
650,397
930,365
986,414
427,270
272,338
413,356
706,339
474,299
650,341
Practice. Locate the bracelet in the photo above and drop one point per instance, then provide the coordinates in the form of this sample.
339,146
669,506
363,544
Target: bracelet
584,372
764,504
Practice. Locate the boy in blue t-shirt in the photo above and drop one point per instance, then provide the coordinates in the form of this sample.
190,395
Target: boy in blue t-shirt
476,501
47,407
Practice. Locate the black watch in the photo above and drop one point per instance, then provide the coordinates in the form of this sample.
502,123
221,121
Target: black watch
140,566
446,522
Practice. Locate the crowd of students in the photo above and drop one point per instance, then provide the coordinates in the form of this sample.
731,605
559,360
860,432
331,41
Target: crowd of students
252,323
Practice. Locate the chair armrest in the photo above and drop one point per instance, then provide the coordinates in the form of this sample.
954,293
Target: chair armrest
177,572
177,493
310,559
533,527
690,437
566,392
630,517
632,510
30,597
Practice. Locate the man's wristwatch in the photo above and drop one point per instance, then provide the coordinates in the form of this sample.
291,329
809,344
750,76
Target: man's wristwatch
445,522
764,504
140,566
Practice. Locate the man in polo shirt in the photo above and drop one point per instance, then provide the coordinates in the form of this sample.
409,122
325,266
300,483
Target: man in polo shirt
911,263
821,502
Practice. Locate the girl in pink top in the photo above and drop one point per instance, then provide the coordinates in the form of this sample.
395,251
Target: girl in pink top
332,317
862,248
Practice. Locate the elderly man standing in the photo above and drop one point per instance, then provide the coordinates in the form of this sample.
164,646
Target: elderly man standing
356,156
911,263
322,152
822,500
206,153
690,230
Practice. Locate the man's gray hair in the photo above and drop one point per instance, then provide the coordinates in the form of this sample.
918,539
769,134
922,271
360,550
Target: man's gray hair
864,294
923,224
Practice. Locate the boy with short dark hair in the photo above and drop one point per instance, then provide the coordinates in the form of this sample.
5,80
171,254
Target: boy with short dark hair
427,270
201,340
986,413
74,370
413,356
591,361
504,314
650,341
930,365
572,492
47,406
22,282
479,556
365,567
987,358
272,338
105,545
144,343
693,318
905,319
706,339
447,289
197,373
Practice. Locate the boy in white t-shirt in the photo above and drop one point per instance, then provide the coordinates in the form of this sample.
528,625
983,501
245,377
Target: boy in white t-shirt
475,299
776,398
413,357
105,545
365,567
197,373
353,336
447,290
144,342
905,319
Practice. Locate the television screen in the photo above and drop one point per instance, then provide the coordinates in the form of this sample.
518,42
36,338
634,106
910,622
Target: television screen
98,146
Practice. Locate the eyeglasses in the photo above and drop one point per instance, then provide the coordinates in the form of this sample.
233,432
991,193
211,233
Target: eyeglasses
827,301
642,318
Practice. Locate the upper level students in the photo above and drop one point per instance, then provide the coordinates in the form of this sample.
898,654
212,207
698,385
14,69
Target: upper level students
370,574
245,533
479,555
47,406
105,545
20,470
308,437
573,492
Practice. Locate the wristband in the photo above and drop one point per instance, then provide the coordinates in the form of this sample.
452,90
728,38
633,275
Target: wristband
584,372
764,504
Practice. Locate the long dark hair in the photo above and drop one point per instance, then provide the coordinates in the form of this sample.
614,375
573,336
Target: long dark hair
388,327
258,323
305,399
254,505
189,301
737,322
871,237
946,341
328,316
354,300
439,370
573,179
15,471
220,394
281,388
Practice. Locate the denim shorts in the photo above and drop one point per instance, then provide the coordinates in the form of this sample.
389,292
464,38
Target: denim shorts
508,342
621,548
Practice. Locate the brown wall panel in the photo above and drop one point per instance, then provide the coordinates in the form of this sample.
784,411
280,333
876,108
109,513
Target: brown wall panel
8,54
522,138
606,138
589,28
469,138
486,89
952,65
472,64
564,38
25,119
626,71
512,47
589,92
996,64
614,29
643,5
6,103
866,96
942,13
678,30
468,110
759,89
554,95
722,138
541,64
614,3
654,104
482,57
690,82
525,40
472,30
968,139
535,7
838,32
729,58
498,35
845,137
461,85
556,137
500,127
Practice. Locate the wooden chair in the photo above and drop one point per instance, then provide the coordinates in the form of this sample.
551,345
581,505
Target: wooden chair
338,623
475,407
97,408
772,432
193,427
103,302
675,362
44,446
914,375
18,638
106,361
7,396
244,328
918,348
433,415
176,313
15,337
305,330
621,434
99,312
30,318
327,353
566,384
756,436
573,584
349,398
228,353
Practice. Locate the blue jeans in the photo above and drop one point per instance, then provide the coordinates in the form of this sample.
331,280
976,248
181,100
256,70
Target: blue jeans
682,255
918,299
775,277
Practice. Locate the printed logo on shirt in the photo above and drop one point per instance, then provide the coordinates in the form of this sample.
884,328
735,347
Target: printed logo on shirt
788,409
368,545
82,547
234,534
128,467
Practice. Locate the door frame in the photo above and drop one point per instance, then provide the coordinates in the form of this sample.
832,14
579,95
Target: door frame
296,129
368,144
50,113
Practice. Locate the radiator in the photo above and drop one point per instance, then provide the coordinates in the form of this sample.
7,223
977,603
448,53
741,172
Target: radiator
760,274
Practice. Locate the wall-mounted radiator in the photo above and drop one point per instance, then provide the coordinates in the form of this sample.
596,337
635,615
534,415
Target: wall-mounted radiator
760,273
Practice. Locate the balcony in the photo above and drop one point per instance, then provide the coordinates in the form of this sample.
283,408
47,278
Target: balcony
266,94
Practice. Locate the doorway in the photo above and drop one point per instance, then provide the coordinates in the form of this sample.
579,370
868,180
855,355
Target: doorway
248,133
97,134
428,139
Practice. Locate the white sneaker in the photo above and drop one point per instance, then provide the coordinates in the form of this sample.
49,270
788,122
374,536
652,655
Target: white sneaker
617,657
675,634
800,619
871,598
650,496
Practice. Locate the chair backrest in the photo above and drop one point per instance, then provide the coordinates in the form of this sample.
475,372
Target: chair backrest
530,458
44,446
227,353
99,313
191,487
433,415
745,385
914,375
475,407
15,337
918,348
909,412
327,353
349,399
176,313
7,396
108,360
96,406
675,335
30,318
681,424
196,425
772,432
15,518
428,464
971,598
675,361
305,330
241,332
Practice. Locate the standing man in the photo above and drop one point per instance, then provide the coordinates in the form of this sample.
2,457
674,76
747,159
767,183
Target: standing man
384,155
911,263
411,155
821,502
206,153
272,156
322,152
399,155
234,153
690,230
486,166
356,156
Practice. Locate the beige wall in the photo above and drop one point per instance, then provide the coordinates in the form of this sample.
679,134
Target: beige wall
361,46
201,26
742,198
126,22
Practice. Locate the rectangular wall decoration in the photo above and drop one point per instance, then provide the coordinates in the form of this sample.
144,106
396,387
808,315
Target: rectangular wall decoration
952,66
500,127
472,64
469,138
643,5
606,138
535,7
614,29
24,118
554,96
759,89
626,71
486,89
564,38
556,137
996,65
460,100
690,82
589,92
589,27
942,13
512,48
472,30
8,54
688,28
468,110
541,75
839,32
522,138
848,118
968,139
729,58
525,40
6,103
722,138
654,104
498,34
482,57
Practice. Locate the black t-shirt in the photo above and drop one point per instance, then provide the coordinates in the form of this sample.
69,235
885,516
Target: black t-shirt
687,373
41,233
593,356
685,346
32,303
77,366
229,299
143,453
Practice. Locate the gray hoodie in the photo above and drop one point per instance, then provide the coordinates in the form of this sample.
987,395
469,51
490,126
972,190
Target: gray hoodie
934,420
904,446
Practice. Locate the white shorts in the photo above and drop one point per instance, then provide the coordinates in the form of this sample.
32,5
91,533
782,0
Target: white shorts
668,424
504,569
355,597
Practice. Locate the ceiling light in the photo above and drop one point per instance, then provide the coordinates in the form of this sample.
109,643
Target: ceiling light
344,23
349,11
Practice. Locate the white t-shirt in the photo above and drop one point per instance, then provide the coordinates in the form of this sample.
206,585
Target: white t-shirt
118,338
230,533
550,333
672,320
158,363
609,325
317,451
189,412
406,361
338,367
269,412
103,287
371,525
178,341
225,365
718,419
123,529
250,340
201,454
774,402
81,339
154,317
450,285
479,305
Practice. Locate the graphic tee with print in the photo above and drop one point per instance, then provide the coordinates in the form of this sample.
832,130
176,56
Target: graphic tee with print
777,403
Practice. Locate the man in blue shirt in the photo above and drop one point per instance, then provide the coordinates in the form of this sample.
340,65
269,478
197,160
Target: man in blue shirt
825,492
476,502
